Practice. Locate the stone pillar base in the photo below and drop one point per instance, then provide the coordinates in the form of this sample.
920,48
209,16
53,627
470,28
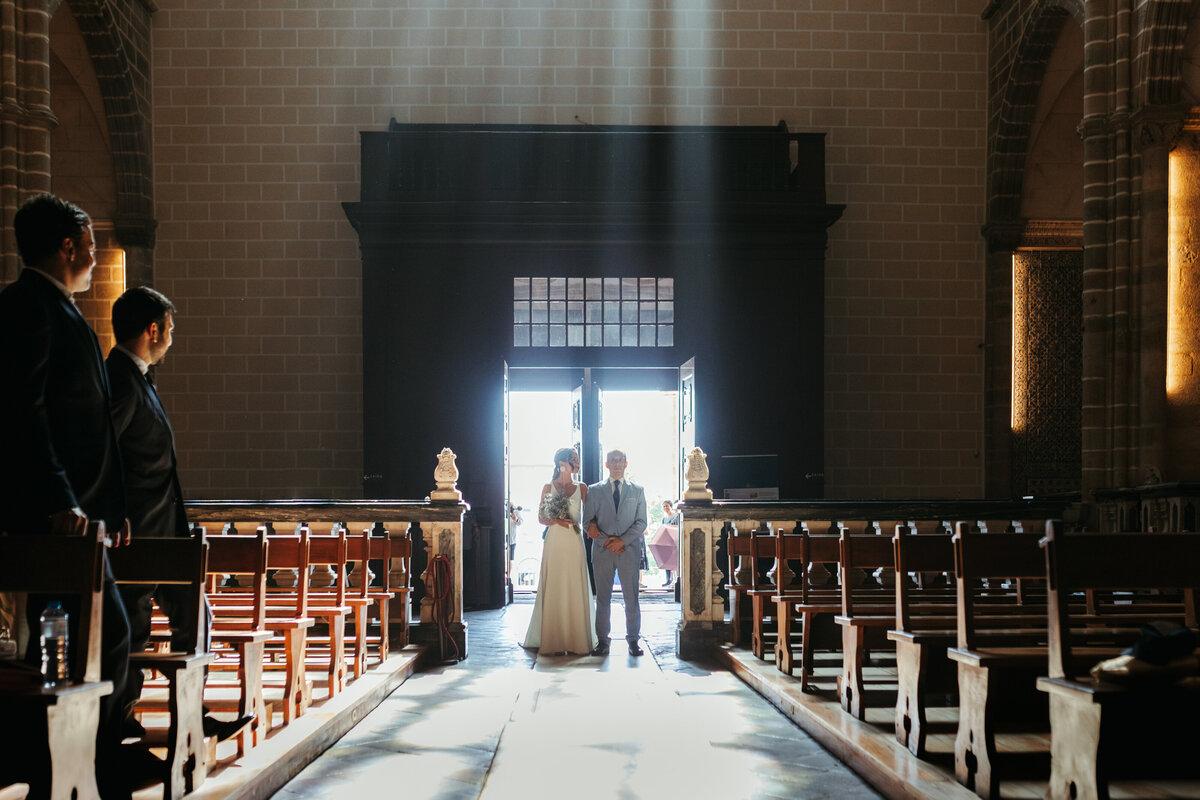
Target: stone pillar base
699,640
428,634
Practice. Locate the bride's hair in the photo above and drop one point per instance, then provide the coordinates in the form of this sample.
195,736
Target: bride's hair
562,454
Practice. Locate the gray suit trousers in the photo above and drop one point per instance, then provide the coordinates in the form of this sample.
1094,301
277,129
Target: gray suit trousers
625,565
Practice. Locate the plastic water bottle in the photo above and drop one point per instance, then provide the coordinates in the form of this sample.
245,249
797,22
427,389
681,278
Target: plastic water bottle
54,645
8,647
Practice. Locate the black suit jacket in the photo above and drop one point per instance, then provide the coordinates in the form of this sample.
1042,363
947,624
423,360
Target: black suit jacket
57,446
147,451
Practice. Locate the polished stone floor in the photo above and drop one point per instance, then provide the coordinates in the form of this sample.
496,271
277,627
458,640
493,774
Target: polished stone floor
505,723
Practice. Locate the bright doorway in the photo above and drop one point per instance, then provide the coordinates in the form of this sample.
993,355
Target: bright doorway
642,422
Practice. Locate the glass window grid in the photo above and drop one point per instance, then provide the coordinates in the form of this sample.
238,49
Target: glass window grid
593,312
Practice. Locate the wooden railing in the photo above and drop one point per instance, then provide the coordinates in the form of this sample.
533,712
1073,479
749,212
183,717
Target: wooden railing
434,526
706,524
1155,507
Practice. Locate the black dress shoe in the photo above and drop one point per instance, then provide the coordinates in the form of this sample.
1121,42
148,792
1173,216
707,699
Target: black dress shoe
225,730
132,729
634,650
601,649
140,767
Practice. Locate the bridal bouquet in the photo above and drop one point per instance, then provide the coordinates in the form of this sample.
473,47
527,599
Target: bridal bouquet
556,505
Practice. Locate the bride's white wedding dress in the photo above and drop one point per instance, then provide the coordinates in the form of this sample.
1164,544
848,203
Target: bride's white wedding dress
563,618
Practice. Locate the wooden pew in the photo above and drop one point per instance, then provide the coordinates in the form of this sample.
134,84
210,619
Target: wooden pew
1105,731
287,616
922,667
762,547
925,631
377,592
328,602
742,579
175,561
243,633
807,612
49,736
997,665
1000,658
866,617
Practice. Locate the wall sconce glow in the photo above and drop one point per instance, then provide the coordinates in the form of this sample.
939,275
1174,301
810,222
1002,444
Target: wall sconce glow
1020,324
1183,272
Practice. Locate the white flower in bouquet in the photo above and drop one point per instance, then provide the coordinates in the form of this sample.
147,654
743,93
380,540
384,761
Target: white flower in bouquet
556,505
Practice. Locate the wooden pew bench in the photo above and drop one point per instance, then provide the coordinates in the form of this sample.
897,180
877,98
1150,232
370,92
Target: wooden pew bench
743,578
180,561
924,672
376,592
807,611
286,614
327,556
1000,659
239,635
1106,731
866,617
49,733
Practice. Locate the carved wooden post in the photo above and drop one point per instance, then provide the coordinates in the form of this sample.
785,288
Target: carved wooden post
442,607
780,573
703,624
324,576
283,578
743,573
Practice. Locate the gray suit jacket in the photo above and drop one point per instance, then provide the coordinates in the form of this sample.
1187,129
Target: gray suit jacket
627,522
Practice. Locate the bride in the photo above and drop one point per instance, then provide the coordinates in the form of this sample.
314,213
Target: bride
563,614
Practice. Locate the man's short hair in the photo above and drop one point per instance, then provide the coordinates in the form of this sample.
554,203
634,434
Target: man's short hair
134,310
42,223
614,457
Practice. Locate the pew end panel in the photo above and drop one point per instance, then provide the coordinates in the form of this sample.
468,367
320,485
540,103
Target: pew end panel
49,733
1101,731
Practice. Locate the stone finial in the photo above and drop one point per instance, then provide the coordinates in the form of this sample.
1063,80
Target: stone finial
446,476
697,476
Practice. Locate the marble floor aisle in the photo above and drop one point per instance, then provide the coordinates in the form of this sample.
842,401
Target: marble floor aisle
505,724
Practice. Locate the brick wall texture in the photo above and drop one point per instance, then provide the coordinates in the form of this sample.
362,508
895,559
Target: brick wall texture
257,106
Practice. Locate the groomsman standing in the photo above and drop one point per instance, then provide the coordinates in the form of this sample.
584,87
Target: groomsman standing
61,466
144,323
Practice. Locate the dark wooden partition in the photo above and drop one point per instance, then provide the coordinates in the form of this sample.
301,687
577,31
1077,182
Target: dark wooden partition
450,214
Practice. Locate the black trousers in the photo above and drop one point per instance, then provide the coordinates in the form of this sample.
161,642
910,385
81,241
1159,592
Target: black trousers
138,600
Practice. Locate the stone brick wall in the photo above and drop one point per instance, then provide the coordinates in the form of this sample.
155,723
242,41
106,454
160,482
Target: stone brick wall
257,110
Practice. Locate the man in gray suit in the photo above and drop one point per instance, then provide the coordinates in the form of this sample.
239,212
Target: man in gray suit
614,515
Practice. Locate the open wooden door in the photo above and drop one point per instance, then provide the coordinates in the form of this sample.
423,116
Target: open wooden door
510,532
687,418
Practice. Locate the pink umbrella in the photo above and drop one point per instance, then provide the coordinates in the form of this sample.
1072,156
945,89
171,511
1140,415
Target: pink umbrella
664,544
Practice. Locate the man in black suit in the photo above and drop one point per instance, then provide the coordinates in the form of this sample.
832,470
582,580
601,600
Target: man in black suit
60,465
143,323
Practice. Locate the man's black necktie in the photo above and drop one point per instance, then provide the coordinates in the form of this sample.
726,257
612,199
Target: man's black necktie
617,494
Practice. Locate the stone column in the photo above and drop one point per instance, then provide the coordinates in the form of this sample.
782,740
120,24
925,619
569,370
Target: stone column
25,116
1183,312
442,621
1155,130
702,626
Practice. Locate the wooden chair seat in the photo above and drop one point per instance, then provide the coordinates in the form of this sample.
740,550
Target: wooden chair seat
49,733
241,636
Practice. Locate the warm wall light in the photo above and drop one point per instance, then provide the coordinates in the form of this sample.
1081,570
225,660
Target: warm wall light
1020,327
1183,237
108,282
